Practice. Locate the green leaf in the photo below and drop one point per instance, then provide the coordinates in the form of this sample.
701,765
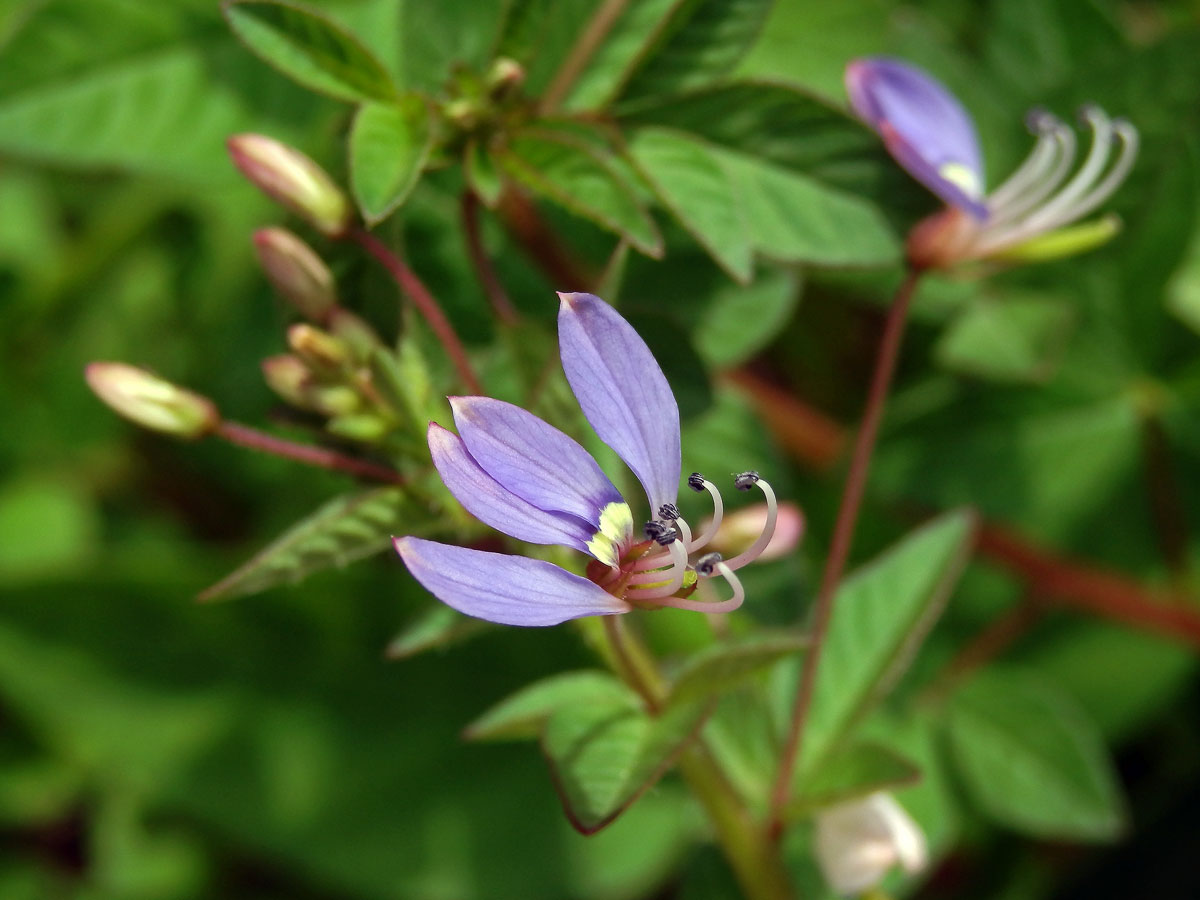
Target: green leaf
790,128
740,321
525,713
724,666
701,41
576,175
880,617
692,182
858,770
389,145
349,528
310,49
605,753
482,175
623,47
795,218
1031,760
439,627
1007,337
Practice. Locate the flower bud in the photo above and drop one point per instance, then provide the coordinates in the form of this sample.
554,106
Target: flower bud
317,348
363,427
353,332
288,377
296,273
293,180
745,525
504,78
151,402
859,841
333,399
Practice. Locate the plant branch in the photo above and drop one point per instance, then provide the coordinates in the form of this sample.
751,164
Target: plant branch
843,534
522,221
482,263
245,436
581,52
1162,485
754,858
1071,584
416,291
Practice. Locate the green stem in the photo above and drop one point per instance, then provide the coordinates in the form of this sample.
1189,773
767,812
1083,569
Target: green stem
843,535
754,858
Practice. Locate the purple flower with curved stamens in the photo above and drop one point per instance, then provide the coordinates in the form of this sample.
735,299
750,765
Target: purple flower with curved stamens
524,477
1032,214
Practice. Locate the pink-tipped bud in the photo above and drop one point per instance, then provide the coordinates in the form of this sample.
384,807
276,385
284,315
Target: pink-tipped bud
151,402
504,78
288,377
296,273
743,527
317,348
293,180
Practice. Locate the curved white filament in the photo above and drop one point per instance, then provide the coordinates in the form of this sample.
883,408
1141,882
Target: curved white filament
752,552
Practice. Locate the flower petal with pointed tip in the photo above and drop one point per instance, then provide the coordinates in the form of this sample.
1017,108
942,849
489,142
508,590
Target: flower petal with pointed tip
923,126
510,590
622,391
533,459
489,502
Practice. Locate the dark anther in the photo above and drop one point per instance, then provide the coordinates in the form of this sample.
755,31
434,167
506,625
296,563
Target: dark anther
1039,121
708,562
745,480
662,532
668,511
696,482
1088,112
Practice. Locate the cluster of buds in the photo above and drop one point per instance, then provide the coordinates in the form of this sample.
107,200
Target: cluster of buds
329,368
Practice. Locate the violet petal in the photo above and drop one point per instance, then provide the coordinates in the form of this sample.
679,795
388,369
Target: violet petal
923,126
533,459
510,590
489,502
622,391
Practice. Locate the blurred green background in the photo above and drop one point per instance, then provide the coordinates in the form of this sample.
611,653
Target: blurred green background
151,747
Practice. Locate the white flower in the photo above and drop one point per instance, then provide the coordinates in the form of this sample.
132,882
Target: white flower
859,841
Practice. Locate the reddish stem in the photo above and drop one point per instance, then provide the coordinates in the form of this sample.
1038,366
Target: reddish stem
1106,594
521,219
482,262
245,436
416,291
843,534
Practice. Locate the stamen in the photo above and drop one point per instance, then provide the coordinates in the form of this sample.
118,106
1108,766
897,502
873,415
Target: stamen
663,533
1093,165
674,578
718,510
1063,145
706,564
668,511
1127,137
745,480
722,606
1043,125
752,552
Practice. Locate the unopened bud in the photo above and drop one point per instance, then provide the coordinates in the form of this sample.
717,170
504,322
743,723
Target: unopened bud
288,377
298,275
151,402
860,840
505,76
742,527
333,399
293,180
362,427
353,332
316,347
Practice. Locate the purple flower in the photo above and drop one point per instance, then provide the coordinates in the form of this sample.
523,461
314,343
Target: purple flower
929,133
526,478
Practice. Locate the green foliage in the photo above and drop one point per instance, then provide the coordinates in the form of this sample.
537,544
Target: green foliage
154,748
1032,761
310,48
389,145
882,614
341,531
